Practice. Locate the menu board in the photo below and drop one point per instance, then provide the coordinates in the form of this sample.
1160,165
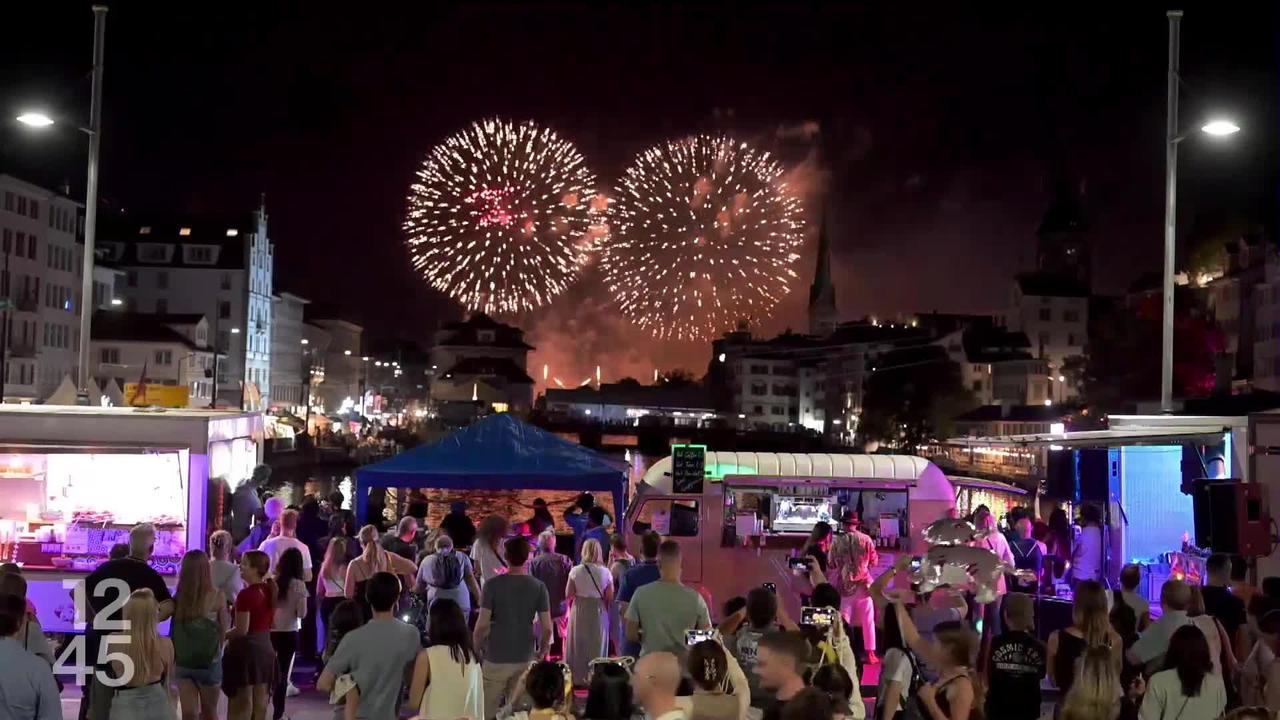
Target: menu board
688,468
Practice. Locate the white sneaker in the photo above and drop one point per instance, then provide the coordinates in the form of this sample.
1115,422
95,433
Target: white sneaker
292,691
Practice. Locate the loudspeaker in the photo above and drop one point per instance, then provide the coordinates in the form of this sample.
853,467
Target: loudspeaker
1229,517
1093,475
1060,475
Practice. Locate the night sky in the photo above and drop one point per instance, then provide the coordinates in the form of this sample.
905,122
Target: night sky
943,131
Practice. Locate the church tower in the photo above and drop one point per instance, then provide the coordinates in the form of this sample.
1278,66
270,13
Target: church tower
823,315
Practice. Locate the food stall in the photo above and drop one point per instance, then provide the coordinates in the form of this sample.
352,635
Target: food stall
74,480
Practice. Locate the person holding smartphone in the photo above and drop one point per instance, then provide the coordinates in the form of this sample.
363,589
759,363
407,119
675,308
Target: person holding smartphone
743,630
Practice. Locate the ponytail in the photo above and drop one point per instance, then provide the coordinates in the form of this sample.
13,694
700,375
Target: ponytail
273,591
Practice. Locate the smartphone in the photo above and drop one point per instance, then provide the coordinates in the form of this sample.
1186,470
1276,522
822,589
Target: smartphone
693,637
915,565
799,564
771,587
817,617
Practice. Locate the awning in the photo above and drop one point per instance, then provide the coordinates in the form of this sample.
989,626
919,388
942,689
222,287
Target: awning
1097,438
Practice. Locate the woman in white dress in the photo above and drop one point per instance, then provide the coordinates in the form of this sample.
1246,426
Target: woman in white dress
589,590
486,553
447,683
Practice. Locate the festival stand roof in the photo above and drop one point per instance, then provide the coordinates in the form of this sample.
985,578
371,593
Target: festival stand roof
498,452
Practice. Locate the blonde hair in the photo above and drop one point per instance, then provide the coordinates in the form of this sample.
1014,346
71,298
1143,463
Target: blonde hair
289,521
220,544
142,538
373,552
368,535
591,552
335,556
1089,613
195,586
1095,694
142,646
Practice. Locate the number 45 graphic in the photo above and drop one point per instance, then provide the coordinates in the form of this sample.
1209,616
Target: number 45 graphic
75,660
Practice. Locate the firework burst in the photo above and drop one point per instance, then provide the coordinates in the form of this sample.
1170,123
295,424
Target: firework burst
502,216
704,233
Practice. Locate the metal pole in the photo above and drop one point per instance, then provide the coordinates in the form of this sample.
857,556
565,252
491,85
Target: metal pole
217,350
91,197
1170,215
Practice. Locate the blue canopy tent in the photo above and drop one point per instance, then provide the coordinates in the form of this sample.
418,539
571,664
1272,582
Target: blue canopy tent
498,452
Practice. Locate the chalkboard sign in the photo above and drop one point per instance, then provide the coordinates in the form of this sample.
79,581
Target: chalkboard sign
688,468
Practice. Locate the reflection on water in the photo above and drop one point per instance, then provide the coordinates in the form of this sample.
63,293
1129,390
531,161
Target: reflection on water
515,505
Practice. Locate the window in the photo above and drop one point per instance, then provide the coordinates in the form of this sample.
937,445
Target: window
22,205
164,357
153,252
109,356
20,244
1071,339
162,306
485,336
669,518
162,280
1071,315
131,278
777,410
200,254
977,386
759,389
1046,314
1045,339
31,246
759,369
226,281
35,210
224,309
8,201
8,240
757,409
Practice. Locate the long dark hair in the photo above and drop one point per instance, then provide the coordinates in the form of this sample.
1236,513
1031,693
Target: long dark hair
609,697
288,569
892,632
1189,655
448,627
347,616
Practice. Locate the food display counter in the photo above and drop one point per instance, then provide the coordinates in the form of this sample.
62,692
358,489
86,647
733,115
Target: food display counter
74,480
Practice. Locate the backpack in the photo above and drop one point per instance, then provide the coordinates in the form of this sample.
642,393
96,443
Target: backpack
446,571
195,643
910,708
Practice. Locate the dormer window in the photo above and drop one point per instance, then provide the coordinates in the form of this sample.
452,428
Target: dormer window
485,337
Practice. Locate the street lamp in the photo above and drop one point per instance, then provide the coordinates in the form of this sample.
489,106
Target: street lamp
35,119
1217,127
42,120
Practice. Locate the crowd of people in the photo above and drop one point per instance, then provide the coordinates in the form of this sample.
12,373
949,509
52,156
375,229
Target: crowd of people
511,620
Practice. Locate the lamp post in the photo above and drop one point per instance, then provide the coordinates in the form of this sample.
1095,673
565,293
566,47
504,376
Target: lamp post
1216,128
42,120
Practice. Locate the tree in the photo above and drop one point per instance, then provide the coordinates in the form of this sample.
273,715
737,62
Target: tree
678,377
912,397
1124,354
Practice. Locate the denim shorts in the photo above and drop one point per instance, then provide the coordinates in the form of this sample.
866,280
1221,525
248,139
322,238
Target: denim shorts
201,676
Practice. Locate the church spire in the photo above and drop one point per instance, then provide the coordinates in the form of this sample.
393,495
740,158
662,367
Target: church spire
823,314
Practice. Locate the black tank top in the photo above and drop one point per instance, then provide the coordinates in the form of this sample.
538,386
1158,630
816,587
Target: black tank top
1070,648
945,705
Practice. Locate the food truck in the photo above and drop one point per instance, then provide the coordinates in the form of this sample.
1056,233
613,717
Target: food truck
755,511
74,480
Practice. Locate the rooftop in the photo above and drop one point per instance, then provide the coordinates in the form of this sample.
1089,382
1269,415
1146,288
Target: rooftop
120,326
692,397
1014,413
467,333
490,367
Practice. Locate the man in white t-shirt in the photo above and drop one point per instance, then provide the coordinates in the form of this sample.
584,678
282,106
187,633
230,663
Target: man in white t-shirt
275,547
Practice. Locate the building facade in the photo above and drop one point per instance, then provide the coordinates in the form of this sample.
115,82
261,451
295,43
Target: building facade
632,404
1266,346
1053,312
288,381
218,267
40,273
156,349
341,380
480,360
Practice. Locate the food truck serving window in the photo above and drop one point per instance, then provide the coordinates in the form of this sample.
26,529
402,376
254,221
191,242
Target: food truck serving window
669,518
65,509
